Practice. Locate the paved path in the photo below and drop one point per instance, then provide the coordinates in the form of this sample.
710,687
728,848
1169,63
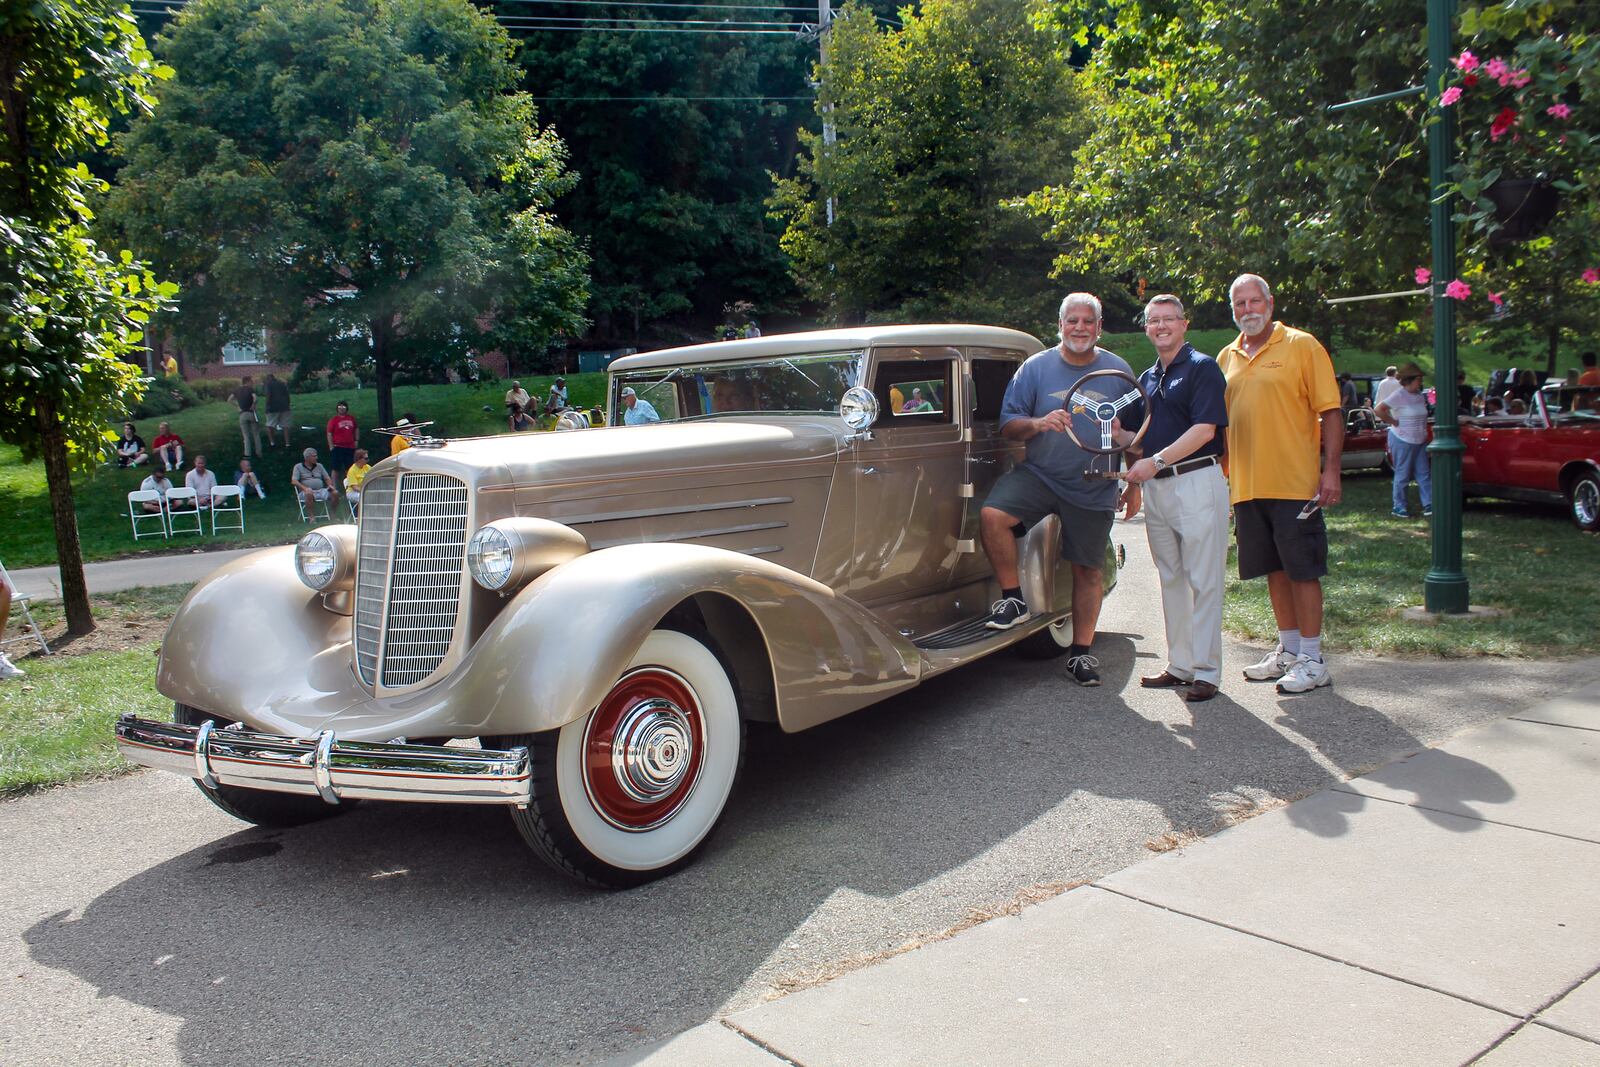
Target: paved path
44,583
1439,911
140,925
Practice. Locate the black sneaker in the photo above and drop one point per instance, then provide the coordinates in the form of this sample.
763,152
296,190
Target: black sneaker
1006,613
1082,669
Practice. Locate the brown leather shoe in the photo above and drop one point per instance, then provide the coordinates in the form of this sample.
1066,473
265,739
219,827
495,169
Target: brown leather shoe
1164,680
1199,691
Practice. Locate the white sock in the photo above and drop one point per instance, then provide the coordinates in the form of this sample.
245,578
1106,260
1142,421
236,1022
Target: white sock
1311,647
1290,640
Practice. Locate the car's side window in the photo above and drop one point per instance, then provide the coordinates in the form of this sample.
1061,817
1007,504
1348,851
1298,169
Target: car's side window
913,391
989,380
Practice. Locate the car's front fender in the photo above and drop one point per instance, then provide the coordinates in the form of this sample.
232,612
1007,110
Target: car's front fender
552,653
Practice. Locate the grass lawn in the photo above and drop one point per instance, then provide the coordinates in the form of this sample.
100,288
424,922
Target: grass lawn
55,724
1530,562
28,539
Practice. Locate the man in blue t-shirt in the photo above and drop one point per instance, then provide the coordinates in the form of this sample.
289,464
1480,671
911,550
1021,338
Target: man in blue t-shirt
1051,479
1185,499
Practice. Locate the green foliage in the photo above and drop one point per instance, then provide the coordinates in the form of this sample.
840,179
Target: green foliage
940,126
358,175
69,312
675,165
1213,152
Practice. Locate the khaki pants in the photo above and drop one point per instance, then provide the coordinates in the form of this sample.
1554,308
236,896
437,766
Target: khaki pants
250,430
1186,519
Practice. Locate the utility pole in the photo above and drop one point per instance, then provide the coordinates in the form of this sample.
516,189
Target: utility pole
829,135
1445,587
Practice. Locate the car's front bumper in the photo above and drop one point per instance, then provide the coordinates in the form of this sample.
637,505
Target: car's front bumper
325,766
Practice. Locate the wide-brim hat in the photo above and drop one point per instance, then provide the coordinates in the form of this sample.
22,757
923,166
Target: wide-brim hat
1409,370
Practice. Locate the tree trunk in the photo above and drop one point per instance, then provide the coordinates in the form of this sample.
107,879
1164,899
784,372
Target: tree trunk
1553,340
69,555
385,382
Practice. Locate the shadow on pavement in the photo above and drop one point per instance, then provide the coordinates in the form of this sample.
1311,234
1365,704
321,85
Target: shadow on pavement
399,934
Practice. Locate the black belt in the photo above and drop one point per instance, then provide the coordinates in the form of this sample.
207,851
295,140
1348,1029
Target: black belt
1187,465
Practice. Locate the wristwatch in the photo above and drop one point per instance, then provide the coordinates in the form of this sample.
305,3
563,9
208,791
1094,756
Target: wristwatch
1159,461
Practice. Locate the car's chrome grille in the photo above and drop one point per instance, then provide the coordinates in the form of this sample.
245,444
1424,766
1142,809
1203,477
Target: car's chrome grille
408,582
372,571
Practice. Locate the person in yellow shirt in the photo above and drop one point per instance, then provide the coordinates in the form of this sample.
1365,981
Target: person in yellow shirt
1283,418
402,440
354,477
169,366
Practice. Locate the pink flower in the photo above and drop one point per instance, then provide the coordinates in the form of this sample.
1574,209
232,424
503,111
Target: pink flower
1423,275
1458,290
1592,275
1497,69
1502,123
1497,299
1450,96
1466,62
1517,79
1560,111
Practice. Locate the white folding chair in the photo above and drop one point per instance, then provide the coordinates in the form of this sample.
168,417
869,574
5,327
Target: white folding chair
319,508
350,506
137,514
227,500
183,502
19,599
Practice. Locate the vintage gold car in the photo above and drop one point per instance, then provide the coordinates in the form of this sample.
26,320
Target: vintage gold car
793,538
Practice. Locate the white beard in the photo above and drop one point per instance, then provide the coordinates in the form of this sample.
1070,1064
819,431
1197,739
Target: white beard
1250,325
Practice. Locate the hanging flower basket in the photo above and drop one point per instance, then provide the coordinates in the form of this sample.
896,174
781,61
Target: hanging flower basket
1522,207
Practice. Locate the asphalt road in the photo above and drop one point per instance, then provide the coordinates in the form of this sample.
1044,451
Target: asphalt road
138,925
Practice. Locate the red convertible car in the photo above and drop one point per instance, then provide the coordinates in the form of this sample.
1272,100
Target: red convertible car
1549,455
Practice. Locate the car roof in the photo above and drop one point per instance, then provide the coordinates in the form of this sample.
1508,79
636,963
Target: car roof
813,342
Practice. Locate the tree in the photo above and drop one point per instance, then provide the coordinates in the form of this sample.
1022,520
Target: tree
941,125
69,313
1213,153
677,133
360,177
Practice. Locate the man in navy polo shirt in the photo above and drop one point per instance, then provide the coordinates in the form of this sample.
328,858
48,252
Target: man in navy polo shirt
1185,499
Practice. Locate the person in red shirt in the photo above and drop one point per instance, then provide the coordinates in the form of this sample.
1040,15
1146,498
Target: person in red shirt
1591,373
168,448
342,434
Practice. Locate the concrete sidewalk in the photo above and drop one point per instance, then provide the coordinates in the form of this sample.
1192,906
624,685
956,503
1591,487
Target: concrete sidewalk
1440,910
44,583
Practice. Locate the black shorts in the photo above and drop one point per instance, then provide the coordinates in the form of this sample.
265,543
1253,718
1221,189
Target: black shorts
341,458
1272,537
1084,533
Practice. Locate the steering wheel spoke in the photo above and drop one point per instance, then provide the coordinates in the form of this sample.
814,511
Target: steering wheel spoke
1093,410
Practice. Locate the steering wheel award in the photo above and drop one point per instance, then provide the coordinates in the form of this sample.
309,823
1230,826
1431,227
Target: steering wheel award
1094,407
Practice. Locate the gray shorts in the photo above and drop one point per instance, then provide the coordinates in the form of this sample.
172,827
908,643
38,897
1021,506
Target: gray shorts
1084,533
277,420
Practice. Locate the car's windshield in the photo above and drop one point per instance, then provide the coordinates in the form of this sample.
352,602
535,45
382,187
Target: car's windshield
804,383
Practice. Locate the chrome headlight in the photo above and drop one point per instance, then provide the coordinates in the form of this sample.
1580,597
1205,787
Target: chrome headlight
325,558
490,558
507,553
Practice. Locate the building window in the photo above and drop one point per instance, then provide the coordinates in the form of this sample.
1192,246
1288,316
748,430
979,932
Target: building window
235,353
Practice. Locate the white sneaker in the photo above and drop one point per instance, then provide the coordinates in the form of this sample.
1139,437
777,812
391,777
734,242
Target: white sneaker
1274,665
1305,675
11,670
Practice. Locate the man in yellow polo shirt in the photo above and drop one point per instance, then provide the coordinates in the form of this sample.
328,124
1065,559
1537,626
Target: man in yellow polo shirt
1283,417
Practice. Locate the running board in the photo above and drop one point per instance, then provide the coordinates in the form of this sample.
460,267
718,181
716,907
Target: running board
966,632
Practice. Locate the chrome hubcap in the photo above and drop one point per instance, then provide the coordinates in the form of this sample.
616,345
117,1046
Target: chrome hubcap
652,750
1586,502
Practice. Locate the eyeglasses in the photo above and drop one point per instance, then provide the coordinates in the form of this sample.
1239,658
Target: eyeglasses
1163,322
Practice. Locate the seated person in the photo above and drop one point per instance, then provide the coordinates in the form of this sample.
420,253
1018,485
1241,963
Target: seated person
245,478
202,481
355,476
312,481
130,449
519,420
556,402
168,448
916,403
734,394
517,397
158,482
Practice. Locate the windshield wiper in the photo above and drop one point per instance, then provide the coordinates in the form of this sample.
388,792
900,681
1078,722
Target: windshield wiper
788,363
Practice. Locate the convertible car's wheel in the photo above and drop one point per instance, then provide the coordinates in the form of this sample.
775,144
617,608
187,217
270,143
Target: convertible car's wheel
1050,642
631,791
258,805
1584,497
